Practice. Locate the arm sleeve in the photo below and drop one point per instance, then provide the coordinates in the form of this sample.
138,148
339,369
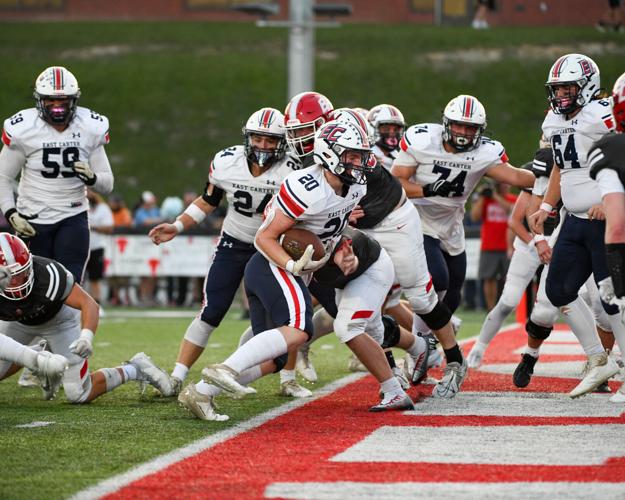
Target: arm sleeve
100,165
11,162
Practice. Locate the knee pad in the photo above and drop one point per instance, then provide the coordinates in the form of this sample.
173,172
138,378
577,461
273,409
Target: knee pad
280,361
536,331
391,332
422,299
438,317
544,314
347,328
76,391
198,332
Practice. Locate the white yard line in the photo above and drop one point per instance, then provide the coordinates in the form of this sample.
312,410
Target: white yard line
159,463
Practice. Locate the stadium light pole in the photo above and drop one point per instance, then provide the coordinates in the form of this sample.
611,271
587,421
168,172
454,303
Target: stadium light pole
302,25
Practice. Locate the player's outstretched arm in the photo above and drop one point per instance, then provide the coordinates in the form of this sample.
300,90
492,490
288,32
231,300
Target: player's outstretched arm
194,214
504,172
89,317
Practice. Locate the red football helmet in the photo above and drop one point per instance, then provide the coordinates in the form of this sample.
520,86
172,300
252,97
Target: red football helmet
304,114
618,104
15,255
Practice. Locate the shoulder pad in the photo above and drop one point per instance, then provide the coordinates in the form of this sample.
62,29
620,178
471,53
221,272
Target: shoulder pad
298,191
543,162
492,148
96,124
227,157
418,136
60,280
17,124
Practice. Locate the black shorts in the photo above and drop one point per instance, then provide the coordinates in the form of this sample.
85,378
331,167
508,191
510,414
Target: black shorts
95,265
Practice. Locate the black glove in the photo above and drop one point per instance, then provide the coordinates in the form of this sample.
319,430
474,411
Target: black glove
440,187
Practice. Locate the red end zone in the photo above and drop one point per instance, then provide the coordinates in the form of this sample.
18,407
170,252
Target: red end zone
335,440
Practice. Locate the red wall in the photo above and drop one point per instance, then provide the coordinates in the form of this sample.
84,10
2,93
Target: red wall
509,13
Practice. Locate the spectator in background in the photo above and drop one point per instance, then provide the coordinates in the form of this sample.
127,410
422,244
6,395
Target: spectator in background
100,224
611,17
480,21
493,206
122,218
147,215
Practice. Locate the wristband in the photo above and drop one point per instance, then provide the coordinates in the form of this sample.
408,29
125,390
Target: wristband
539,237
290,266
195,212
546,207
179,226
85,332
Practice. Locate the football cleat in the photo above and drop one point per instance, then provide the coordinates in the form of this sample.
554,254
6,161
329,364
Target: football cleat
619,396
453,376
600,368
304,367
147,371
416,369
201,405
603,388
355,365
292,389
401,378
224,377
524,371
474,360
175,385
50,370
399,402
435,358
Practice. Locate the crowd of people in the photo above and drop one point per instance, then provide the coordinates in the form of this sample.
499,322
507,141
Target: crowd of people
385,202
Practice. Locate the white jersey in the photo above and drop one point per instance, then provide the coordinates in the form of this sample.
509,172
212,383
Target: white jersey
381,155
247,195
571,140
48,188
441,217
307,197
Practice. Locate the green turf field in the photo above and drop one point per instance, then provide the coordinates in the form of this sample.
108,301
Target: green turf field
91,442
176,93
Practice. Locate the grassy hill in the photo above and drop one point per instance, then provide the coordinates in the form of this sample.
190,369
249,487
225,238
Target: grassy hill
176,93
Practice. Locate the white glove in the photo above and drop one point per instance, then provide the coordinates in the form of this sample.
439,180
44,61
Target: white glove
84,172
83,346
304,264
19,223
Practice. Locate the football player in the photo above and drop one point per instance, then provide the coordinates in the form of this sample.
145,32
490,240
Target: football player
319,199
43,300
389,127
439,166
606,160
577,119
249,175
58,147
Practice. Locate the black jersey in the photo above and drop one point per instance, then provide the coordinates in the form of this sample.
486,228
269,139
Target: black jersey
383,194
365,248
608,152
52,285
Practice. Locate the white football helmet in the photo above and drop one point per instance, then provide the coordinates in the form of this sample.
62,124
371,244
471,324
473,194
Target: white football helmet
308,110
571,69
334,141
353,116
56,82
386,114
265,121
464,109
